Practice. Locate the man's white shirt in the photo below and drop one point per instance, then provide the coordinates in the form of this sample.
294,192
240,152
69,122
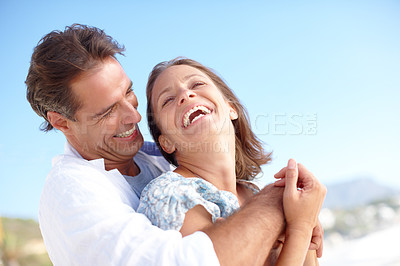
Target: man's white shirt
87,217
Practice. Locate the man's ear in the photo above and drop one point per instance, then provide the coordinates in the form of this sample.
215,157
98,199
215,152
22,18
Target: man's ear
166,144
233,114
59,121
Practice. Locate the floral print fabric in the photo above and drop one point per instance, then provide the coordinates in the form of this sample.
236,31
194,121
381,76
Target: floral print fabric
166,199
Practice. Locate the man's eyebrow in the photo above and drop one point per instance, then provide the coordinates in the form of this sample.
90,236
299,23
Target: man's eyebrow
105,110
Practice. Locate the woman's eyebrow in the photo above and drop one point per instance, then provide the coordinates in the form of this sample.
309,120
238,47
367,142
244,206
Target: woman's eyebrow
192,75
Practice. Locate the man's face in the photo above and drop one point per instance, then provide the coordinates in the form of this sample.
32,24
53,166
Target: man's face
106,124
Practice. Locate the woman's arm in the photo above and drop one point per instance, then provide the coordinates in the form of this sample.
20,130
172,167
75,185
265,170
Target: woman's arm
311,258
196,219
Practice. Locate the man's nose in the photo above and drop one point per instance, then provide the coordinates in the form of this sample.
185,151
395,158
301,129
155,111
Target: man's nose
185,95
130,114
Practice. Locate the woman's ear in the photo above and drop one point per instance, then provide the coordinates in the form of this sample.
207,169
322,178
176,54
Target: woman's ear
166,144
59,122
233,114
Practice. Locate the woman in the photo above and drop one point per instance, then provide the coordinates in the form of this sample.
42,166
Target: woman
201,127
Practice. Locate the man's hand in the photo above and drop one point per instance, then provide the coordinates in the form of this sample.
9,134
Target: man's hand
317,240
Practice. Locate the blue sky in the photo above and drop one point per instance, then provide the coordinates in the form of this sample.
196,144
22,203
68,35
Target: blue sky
320,79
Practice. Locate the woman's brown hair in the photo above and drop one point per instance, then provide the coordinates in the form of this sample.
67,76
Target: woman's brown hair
250,154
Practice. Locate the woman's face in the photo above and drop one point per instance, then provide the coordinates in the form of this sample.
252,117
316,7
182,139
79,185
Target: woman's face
188,108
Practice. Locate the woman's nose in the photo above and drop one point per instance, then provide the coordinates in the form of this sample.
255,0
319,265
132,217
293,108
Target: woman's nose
185,95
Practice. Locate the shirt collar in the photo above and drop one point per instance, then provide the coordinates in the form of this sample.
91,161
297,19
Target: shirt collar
70,151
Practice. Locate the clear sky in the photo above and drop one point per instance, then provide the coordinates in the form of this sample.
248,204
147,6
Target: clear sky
320,79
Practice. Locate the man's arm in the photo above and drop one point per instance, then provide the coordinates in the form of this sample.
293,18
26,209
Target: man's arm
247,237
86,218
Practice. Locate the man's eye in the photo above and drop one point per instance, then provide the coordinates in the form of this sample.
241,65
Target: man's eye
167,100
129,91
108,114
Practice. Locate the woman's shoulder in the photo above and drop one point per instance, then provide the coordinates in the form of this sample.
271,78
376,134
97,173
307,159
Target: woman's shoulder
166,178
172,180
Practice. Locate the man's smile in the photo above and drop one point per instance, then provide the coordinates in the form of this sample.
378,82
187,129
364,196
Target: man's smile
126,133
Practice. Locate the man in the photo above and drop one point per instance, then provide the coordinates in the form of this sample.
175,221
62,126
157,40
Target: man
87,208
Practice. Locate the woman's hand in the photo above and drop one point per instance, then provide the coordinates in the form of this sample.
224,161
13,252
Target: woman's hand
302,198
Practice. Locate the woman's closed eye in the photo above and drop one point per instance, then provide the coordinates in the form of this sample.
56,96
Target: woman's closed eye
197,84
167,100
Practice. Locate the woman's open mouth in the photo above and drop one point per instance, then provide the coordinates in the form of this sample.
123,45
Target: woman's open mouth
194,114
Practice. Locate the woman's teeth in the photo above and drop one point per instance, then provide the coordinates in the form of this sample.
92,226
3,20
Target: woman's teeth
126,133
188,119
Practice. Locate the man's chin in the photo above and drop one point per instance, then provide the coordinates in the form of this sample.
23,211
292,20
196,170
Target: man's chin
130,149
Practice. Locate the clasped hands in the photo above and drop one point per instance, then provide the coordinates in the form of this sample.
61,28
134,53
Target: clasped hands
302,201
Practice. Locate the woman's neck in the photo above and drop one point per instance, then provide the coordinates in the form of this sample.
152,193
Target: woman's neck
215,164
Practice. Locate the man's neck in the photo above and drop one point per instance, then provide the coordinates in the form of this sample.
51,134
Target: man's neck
125,168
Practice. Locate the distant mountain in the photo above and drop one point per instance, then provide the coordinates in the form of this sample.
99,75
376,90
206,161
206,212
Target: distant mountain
357,192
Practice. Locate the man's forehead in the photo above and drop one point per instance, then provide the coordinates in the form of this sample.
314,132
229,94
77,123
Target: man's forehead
101,86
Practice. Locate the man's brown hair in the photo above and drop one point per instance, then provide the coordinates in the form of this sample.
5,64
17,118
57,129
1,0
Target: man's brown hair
58,59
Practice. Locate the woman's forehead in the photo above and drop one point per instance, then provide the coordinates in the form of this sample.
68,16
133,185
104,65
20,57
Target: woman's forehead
182,72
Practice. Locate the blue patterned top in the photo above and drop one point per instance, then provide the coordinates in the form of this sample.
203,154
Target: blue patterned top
166,199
